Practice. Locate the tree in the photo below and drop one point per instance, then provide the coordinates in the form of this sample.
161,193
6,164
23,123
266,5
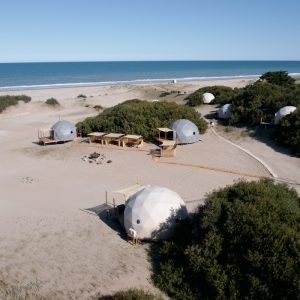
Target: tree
140,117
278,77
244,243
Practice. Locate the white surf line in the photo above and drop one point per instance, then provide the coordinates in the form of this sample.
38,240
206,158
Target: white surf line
270,171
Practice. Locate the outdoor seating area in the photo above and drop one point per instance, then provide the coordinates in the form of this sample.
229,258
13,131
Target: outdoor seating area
119,139
166,138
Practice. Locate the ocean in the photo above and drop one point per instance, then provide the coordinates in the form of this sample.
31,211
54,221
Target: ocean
14,76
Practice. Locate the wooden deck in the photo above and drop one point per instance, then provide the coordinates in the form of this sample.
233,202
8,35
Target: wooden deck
47,140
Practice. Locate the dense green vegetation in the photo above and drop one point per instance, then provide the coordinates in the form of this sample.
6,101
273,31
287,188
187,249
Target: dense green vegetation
278,77
7,100
52,102
140,117
244,243
259,102
132,294
223,94
287,132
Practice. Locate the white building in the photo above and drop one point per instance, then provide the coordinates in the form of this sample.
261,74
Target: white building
64,131
153,212
224,111
282,112
207,98
186,131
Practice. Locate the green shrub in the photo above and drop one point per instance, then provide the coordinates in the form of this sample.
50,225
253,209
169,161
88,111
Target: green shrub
7,100
278,77
140,117
81,96
52,102
244,243
98,107
262,100
133,294
223,94
287,132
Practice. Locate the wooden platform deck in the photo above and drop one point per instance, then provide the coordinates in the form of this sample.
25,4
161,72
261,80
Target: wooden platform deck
47,140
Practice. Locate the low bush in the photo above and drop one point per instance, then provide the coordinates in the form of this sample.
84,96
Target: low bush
7,100
242,244
132,294
140,117
52,102
81,96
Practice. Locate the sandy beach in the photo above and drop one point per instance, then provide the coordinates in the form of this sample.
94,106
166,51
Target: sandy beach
50,247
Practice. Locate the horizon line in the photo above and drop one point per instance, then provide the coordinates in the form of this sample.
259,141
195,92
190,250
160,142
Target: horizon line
158,60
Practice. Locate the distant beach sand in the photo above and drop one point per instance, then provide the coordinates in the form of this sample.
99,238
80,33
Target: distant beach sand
49,247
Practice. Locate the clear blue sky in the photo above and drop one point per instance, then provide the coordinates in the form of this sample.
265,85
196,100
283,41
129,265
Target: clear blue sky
76,30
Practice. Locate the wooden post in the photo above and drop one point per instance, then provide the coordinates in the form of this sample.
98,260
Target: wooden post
106,197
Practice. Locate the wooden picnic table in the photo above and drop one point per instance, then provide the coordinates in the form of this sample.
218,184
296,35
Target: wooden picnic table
132,139
96,137
113,137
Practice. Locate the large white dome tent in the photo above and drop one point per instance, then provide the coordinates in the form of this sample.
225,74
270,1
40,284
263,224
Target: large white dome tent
153,212
282,112
64,131
186,131
207,98
224,111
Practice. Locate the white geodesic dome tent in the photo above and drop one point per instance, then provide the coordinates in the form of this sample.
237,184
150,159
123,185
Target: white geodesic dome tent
153,212
64,131
282,112
186,131
207,98
224,111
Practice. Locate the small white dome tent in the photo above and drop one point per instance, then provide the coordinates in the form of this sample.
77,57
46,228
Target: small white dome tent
207,98
186,131
224,111
64,131
282,112
153,212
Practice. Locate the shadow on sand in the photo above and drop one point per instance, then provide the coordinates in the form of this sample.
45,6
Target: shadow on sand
109,215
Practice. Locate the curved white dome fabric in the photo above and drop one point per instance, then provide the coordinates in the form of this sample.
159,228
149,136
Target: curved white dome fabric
64,131
208,97
153,211
224,111
186,131
282,112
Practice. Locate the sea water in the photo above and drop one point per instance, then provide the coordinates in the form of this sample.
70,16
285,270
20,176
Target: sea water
14,76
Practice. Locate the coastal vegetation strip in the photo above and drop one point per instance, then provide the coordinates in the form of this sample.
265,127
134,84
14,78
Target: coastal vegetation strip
10,100
141,118
258,102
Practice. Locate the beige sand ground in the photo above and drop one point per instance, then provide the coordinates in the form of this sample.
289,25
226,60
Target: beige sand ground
52,249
